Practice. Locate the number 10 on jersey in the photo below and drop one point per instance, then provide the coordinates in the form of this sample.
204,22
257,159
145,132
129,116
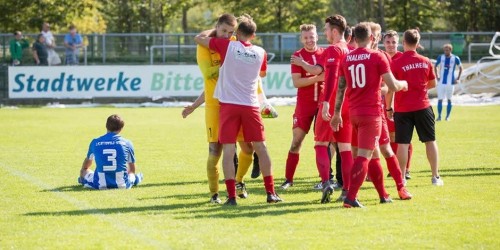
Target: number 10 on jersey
358,75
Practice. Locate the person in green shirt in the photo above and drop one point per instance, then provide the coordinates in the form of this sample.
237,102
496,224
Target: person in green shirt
16,48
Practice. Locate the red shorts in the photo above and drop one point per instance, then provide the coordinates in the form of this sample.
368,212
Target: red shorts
390,124
304,115
323,132
344,135
384,133
366,131
233,117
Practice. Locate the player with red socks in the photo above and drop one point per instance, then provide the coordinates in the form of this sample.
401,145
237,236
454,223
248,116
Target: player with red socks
361,77
334,31
384,140
391,41
237,93
335,27
308,89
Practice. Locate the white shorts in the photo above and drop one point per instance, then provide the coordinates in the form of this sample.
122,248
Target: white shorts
88,181
445,90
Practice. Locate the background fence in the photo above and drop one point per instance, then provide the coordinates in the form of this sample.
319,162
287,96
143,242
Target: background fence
140,48
148,48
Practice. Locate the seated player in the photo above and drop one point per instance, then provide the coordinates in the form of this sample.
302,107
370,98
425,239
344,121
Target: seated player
114,157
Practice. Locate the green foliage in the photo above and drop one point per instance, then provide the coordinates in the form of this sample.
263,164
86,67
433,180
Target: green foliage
41,151
473,15
279,15
178,16
28,16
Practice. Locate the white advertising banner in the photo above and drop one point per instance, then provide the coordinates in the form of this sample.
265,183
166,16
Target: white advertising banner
85,82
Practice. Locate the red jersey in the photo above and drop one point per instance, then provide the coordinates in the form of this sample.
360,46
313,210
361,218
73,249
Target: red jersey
417,71
332,57
308,93
397,55
362,69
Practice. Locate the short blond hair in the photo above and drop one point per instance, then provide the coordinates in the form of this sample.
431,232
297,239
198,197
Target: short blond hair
448,46
307,27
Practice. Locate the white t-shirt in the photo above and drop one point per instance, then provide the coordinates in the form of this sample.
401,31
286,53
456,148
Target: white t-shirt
239,75
49,38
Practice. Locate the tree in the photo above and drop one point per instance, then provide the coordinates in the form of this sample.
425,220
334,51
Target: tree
473,15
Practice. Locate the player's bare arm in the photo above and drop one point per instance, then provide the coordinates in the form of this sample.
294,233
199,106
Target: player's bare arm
190,108
384,89
131,168
389,97
336,121
431,84
460,69
87,163
436,71
203,38
393,84
299,81
311,69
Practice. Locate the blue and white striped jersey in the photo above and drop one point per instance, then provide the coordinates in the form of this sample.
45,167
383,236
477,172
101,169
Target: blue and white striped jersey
111,153
447,69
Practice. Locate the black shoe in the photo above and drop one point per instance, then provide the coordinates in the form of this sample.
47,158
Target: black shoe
407,175
256,167
349,203
273,198
241,190
215,199
231,202
342,196
385,200
327,192
286,184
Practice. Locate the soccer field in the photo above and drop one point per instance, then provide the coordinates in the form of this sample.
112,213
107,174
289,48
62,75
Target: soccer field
41,151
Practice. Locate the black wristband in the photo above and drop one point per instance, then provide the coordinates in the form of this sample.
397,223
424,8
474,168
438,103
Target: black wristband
388,110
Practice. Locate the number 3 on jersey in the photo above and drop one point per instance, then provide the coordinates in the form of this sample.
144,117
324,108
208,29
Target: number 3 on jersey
358,75
111,158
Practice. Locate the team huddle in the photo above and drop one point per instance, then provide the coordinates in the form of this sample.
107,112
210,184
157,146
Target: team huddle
364,103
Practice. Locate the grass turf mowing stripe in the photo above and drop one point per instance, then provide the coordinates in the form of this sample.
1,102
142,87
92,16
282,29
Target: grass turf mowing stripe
83,206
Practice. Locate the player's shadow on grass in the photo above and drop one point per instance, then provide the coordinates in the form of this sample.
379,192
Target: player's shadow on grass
117,210
463,172
202,210
80,188
70,188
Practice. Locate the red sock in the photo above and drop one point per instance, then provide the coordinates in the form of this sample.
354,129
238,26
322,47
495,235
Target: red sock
322,162
377,176
358,175
394,147
269,184
393,166
231,188
410,153
346,162
291,165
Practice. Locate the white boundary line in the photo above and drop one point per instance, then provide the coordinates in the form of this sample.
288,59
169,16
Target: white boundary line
85,207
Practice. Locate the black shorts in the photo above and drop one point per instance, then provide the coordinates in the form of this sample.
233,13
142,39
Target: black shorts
422,120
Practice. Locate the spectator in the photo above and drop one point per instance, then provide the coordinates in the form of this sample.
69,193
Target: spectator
16,48
445,72
73,42
50,43
40,52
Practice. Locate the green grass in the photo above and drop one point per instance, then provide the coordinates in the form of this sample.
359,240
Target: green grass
41,151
